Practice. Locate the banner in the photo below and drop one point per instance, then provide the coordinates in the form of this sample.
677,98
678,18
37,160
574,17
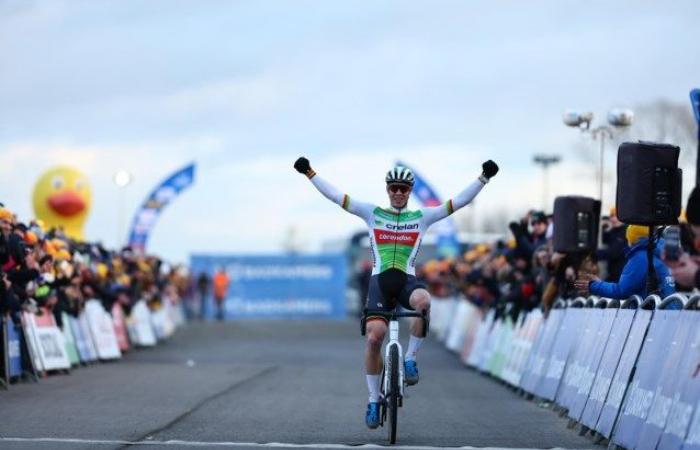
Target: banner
447,242
147,215
591,360
119,322
139,325
608,365
618,386
71,348
102,330
47,341
686,399
575,365
570,320
282,286
668,384
87,336
647,375
14,351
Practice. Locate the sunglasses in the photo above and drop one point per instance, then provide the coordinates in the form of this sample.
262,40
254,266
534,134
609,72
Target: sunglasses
394,188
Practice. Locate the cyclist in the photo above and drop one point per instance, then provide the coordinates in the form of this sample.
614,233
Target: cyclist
395,235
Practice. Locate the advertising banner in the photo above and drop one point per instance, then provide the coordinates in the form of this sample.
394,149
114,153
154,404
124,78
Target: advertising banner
618,387
119,322
575,365
571,322
591,361
139,324
281,286
102,330
49,343
13,349
87,335
471,329
686,399
540,356
71,348
642,390
668,383
608,365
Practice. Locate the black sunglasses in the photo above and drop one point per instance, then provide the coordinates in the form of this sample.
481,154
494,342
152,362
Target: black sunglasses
394,188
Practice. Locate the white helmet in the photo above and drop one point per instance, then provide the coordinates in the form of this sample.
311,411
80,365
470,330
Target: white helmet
400,175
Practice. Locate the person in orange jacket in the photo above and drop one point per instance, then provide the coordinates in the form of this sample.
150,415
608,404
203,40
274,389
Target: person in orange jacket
220,282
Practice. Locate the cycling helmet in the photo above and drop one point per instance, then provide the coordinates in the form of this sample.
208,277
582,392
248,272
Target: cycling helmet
400,175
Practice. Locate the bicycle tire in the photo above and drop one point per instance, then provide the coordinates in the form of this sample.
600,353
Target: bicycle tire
394,392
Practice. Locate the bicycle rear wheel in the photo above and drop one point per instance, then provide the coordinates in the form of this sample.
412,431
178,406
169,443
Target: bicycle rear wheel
394,392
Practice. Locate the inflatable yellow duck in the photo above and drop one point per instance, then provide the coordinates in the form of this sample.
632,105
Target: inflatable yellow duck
62,198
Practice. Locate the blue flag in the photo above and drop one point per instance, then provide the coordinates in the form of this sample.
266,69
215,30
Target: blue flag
695,101
147,215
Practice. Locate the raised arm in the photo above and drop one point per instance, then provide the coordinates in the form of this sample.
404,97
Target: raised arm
435,213
360,209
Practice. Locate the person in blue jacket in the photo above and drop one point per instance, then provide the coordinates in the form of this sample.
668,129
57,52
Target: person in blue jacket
633,279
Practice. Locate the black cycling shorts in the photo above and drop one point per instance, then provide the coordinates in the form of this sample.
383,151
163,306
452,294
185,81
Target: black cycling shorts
376,300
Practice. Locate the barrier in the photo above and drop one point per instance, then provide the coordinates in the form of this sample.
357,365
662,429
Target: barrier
472,328
668,379
569,320
687,395
120,330
457,332
101,330
536,366
71,347
481,339
590,362
640,395
522,345
608,364
14,349
46,341
4,362
139,325
442,314
502,344
87,336
85,352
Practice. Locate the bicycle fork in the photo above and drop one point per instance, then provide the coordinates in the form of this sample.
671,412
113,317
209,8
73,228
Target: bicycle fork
393,341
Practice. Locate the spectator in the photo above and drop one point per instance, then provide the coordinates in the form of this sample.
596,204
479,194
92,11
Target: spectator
633,280
687,270
221,283
203,283
615,246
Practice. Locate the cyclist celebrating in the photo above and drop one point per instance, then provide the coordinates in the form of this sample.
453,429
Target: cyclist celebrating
395,236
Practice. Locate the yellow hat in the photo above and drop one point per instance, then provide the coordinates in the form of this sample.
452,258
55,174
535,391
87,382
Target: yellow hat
636,232
102,270
6,214
63,255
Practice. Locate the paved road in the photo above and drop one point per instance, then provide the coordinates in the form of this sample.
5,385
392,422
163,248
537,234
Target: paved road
267,382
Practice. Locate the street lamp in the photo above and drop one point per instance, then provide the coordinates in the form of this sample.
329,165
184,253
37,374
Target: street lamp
122,179
617,118
545,161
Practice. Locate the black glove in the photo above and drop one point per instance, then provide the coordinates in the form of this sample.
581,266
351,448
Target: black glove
302,165
490,169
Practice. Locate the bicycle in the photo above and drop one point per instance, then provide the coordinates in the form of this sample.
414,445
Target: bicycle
393,373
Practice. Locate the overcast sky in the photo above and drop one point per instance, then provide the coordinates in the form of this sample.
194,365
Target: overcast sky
244,87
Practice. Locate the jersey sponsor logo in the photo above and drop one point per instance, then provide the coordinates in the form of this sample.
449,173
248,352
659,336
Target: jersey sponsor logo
408,226
388,237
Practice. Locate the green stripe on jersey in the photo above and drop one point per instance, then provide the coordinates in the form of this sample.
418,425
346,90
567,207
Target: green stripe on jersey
392,217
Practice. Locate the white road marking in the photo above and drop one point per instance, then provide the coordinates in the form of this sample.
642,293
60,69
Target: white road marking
236,444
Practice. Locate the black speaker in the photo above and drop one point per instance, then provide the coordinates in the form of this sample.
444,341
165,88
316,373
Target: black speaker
648,183
576,222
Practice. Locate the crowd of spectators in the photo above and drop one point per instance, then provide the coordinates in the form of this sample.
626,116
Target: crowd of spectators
524,272
44,270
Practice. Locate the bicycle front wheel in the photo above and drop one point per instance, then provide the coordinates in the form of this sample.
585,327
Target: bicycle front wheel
394,392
